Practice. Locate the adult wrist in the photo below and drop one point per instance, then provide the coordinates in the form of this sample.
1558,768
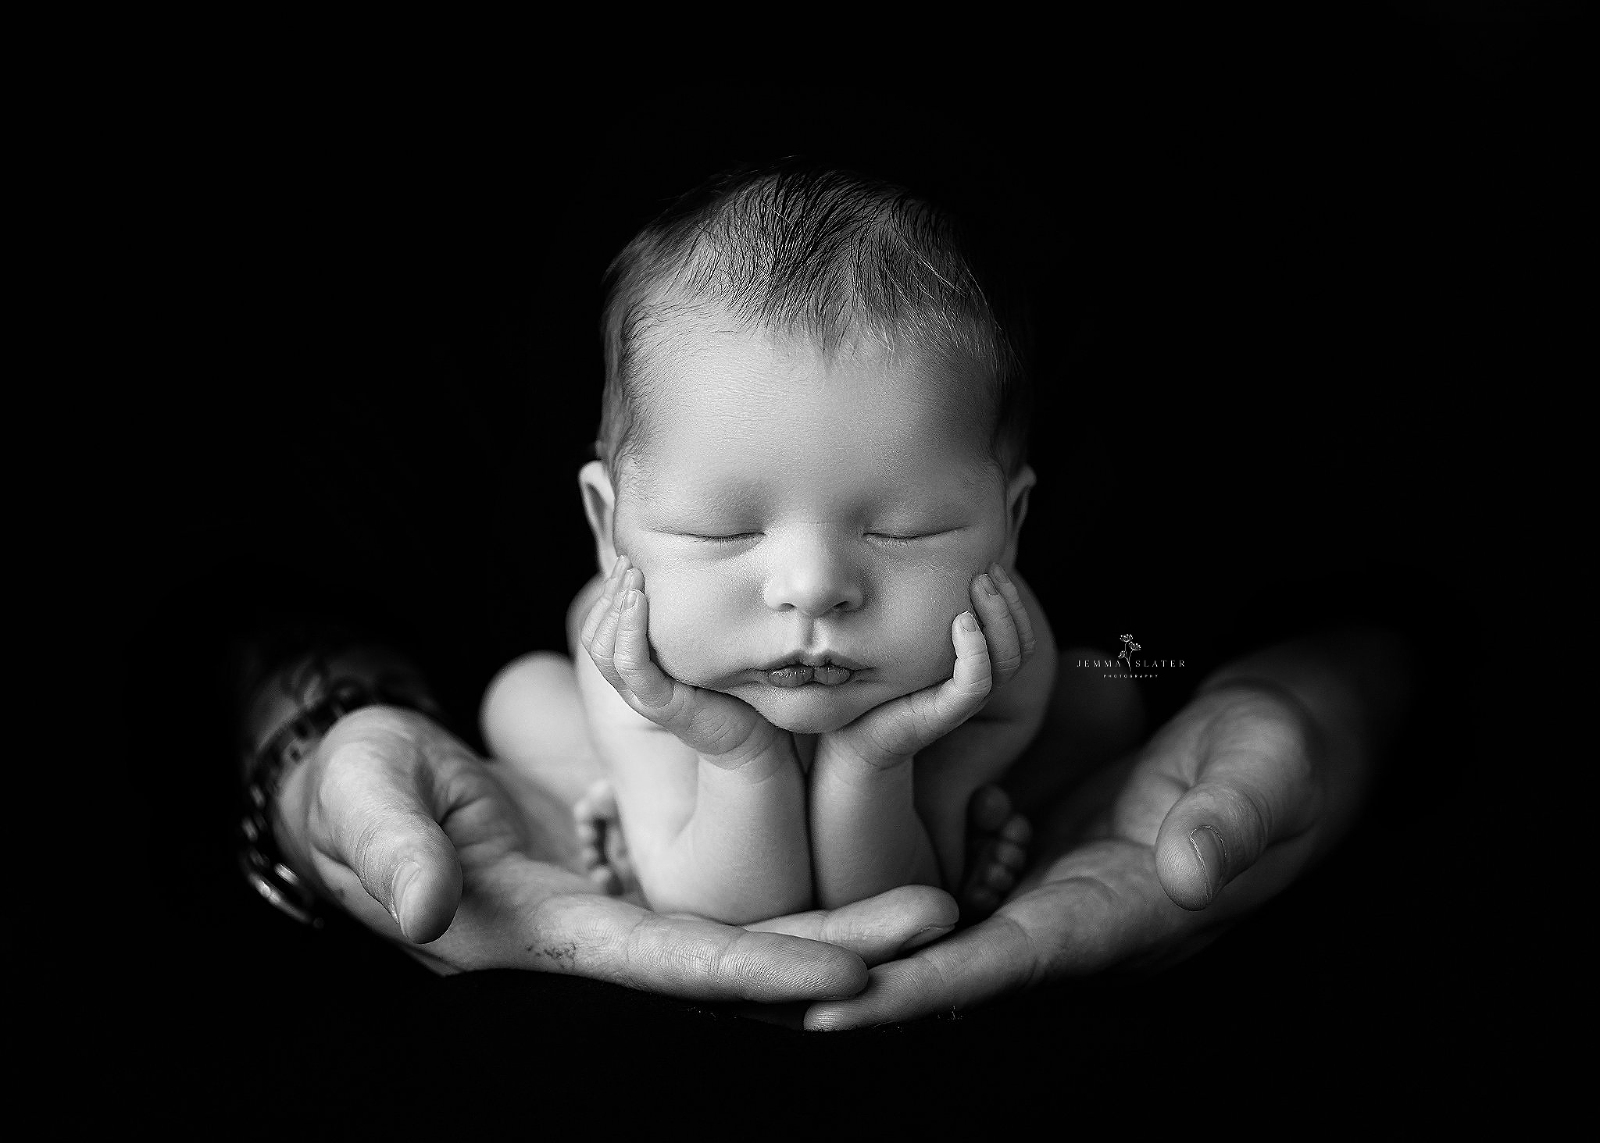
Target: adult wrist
285,720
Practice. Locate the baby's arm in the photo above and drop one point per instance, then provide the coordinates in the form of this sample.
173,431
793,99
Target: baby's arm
710,794
983,749
870,825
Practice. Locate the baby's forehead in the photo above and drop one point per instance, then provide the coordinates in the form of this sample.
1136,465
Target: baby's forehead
702,348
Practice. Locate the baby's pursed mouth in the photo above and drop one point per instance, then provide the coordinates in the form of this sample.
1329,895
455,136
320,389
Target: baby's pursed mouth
800,674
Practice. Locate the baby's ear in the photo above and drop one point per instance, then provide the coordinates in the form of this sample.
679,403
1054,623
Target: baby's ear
600,506
1017,509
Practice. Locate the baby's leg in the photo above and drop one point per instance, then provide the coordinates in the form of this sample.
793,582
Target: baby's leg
533,721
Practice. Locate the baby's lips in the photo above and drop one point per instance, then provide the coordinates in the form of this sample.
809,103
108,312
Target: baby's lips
796,675
799,674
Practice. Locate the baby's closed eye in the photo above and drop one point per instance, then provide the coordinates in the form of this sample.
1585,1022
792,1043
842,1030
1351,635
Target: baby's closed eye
720,537
911,535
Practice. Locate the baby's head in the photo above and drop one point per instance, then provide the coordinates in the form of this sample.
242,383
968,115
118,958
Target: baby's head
813,438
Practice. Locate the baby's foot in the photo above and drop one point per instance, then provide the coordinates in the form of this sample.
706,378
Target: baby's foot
602,850
997,839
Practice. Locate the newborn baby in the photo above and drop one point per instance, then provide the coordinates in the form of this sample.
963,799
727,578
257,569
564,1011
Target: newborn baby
808,648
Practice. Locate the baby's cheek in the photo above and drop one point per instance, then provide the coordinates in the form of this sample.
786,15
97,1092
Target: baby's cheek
925,651
683,628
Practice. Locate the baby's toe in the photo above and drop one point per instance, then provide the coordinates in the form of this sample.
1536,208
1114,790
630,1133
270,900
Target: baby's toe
1010,855
978,902
988,810
999,878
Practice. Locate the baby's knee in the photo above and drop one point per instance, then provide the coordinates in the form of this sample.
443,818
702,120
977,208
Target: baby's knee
527,688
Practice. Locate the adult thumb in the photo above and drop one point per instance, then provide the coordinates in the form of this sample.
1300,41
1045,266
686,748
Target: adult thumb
380,828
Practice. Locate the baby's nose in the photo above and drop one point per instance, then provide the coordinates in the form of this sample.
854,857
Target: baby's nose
814,579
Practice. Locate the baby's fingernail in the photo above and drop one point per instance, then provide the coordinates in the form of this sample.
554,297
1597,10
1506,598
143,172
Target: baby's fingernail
1213,854
968,621
629,598
403,879
999,574
987,585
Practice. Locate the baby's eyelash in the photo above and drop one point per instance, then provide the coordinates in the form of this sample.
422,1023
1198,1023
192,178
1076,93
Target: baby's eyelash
892,538
721,539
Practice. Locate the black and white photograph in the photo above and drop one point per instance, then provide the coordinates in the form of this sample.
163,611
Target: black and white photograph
745,593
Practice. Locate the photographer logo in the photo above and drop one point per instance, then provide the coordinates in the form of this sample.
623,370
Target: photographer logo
1125,666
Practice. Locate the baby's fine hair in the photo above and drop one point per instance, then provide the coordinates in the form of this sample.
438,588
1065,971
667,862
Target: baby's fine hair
818,251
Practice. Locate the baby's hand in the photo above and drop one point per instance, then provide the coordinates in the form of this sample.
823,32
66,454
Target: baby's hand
987,657
720,728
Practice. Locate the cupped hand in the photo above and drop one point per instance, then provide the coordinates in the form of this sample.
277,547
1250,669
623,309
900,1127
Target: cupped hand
992,642
418,838
1221,810
616,634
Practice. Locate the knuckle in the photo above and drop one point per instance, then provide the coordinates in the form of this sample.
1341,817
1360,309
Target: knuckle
978,688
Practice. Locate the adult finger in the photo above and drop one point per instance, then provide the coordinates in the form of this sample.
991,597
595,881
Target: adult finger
878,928
991,958
1256,784
1104,907
607,939
377,845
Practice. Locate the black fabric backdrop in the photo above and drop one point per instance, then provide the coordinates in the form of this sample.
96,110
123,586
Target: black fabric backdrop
1284,301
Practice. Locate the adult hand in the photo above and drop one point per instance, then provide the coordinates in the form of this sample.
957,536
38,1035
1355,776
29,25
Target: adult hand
422,841
1221,810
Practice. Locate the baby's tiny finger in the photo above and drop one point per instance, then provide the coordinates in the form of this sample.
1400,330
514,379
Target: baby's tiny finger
647,682
973,677
1019,610
597,614
603,603
602,645
1005,645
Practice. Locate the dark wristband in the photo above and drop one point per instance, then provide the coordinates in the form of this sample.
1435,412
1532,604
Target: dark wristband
260,857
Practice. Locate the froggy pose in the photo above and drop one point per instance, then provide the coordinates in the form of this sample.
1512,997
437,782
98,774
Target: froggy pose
810,473
808,647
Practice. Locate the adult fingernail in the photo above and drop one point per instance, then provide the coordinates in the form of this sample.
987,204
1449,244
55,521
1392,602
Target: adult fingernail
925,936
1209,847
403,879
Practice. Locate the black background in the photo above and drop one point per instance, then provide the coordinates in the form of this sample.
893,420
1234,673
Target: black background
1293,293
